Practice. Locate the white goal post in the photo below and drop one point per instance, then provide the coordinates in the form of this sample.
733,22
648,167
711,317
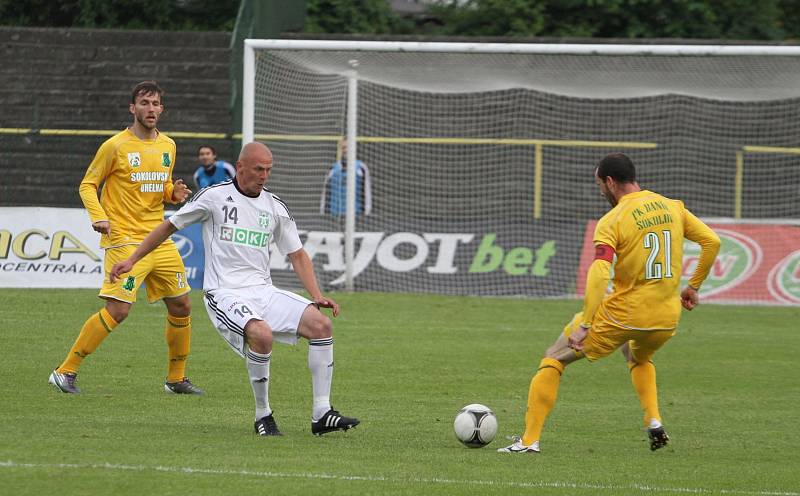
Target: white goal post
704,110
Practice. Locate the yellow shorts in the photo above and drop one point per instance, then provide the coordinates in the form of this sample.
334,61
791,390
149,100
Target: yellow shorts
605,337
162,270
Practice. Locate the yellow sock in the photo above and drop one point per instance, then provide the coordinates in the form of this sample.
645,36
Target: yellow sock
179,337
643,377
541,398
94,331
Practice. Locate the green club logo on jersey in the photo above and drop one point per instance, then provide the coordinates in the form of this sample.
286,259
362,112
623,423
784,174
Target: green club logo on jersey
134,159
165,161
129,282
263,220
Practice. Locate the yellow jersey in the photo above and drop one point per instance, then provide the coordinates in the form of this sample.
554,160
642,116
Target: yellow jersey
137,178
646,231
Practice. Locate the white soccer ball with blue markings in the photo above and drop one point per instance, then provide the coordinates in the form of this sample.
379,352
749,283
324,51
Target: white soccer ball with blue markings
475,425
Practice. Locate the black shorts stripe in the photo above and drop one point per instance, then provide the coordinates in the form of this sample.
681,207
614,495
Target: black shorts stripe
222,317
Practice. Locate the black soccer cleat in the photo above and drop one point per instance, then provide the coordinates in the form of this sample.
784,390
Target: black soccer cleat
658,438
333,421
184,386
266,426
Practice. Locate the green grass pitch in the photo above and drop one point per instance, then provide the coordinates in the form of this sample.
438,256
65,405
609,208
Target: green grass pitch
405,364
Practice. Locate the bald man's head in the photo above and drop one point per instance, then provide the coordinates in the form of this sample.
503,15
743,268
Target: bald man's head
254,150
253,168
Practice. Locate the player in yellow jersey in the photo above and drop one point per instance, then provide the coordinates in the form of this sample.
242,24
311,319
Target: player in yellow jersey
134,168
645,232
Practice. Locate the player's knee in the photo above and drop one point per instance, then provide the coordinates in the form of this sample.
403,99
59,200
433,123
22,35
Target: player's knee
259,339
321,327
179,307
118,312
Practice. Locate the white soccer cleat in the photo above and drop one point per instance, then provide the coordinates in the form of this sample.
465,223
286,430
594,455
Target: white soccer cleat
66,382
518,447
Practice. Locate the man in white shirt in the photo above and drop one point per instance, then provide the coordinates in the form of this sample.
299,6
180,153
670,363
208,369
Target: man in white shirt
240,217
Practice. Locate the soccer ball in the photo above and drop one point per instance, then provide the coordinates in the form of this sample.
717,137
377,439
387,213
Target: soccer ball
475,425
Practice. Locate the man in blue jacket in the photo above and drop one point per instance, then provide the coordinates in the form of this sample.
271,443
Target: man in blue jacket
211,170
334,190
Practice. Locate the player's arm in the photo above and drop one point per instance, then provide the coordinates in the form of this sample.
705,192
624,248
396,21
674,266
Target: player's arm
596,284
697,231
304,268
155,238
96,173
178,192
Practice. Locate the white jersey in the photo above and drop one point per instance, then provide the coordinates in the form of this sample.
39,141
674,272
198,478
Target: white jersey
237,231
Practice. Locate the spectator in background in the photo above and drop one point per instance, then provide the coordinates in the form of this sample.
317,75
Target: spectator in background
211,170
334,190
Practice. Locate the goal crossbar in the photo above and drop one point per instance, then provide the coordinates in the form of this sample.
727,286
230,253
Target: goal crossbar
527,48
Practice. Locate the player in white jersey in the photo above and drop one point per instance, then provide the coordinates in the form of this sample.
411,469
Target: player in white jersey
240,218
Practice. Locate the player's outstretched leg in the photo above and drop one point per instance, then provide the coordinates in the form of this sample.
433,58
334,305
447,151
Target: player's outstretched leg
542,395
543,390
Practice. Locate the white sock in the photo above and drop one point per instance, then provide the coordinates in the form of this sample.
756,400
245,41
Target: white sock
654,424
258,370
320,362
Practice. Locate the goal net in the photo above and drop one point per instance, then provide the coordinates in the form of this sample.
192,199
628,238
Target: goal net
477,161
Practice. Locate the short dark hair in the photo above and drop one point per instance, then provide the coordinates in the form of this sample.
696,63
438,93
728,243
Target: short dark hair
618,167
145,88
206,146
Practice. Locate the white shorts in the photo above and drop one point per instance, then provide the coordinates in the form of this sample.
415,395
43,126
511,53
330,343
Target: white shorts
231,309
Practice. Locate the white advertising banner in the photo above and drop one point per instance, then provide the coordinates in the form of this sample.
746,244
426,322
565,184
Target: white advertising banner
43,247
